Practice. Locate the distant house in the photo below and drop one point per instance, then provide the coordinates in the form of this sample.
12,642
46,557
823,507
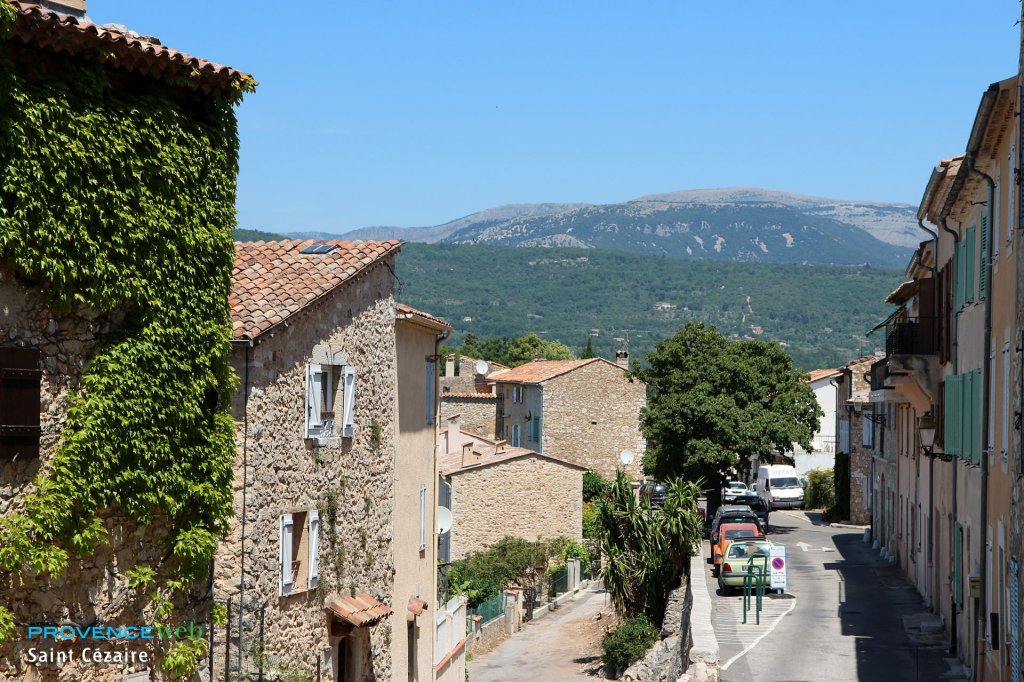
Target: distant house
494,490
467,393
823,443
856,434
581,411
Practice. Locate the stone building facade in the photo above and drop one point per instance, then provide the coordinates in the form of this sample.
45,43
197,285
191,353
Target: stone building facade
499,490
467,394
581,411
855,434
314,475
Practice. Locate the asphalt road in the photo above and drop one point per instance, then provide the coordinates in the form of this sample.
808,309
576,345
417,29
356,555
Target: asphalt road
842,617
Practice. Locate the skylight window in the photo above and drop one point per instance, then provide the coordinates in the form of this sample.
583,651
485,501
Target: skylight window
317,249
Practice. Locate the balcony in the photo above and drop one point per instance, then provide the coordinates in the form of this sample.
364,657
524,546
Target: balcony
912,336
878,375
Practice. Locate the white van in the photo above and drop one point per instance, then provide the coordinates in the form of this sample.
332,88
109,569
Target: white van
779,486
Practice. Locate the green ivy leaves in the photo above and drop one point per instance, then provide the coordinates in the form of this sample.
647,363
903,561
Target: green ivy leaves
119,197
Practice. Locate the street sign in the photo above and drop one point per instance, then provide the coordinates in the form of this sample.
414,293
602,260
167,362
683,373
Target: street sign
777,567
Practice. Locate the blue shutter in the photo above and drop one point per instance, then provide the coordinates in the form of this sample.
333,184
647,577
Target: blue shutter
970,262
949,417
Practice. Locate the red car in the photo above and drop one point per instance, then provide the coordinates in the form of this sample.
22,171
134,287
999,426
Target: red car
729,532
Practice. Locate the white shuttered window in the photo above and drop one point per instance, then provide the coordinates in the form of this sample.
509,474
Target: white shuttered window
423,517
285,544
349,399
314,547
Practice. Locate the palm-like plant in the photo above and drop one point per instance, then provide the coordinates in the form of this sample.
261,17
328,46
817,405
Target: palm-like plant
647,548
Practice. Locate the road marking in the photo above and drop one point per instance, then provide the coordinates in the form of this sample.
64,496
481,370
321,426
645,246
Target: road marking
803,545
762,636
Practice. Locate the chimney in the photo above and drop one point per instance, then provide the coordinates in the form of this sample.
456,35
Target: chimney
449,366
469,458
622,358
75,8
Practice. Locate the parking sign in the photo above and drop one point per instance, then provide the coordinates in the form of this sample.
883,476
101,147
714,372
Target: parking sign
777,567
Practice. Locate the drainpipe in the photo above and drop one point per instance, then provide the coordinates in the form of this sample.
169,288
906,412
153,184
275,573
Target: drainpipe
438,340
931,460
247,344
954,317
986,406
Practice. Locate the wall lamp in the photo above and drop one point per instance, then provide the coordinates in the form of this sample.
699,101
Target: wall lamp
926,426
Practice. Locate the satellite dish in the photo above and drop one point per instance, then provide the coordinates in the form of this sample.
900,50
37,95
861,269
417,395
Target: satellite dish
626,457
444,520
481,367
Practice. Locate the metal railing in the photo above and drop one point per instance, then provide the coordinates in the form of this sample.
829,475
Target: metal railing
490,609
912,336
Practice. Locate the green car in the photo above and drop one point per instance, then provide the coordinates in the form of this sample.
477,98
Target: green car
738,556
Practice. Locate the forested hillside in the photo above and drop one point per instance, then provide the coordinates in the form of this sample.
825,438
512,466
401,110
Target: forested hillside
820,313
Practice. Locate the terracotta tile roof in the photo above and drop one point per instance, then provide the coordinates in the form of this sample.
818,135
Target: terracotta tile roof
359,610
902,293
272,281
469,394
541,370
432,321
817,374
451,463
40,27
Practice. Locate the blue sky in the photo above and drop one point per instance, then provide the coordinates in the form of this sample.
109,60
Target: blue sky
416,113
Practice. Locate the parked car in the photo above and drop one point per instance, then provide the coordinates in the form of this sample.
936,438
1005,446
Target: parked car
733,489
779,486
757,506
654,492
729,532
733,513
737,557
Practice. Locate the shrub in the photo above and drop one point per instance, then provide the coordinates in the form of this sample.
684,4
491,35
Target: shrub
595,487
591,521
820,489
627,644
481,575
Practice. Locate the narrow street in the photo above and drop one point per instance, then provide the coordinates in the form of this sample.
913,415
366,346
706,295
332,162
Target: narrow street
841,618
554,648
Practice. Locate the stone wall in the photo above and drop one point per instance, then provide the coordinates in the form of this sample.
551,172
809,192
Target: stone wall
591,415
527,497
288,473
93,590
476,415
860,472
664,661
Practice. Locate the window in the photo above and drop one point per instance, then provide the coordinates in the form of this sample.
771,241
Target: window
515,436
423,517
963,416
535,429
323,383
19,402
867,432
431,391
1006,399
517,394
299,551
970,261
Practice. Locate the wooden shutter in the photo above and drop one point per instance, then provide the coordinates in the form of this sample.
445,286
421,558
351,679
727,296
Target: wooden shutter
958,564
940,417
314,400
431,391
983,257
285,545
20,378
1006,399
314,547
970,263
951,421
349,402
958,276
1015,606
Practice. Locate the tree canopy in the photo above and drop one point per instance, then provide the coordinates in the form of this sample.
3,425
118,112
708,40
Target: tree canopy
514,352
714,403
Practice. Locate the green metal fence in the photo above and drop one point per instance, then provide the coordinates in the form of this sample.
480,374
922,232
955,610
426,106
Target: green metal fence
559,582
488,610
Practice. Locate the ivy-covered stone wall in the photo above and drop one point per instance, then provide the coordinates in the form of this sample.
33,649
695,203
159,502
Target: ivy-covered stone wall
116,216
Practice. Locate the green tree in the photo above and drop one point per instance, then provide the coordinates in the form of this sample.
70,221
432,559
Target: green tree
714,403
595,486
526,348
589,351
647,548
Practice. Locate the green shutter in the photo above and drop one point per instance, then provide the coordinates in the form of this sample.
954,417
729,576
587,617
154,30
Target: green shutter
958,564
982,258
949,421
958,276
969,264
976,410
